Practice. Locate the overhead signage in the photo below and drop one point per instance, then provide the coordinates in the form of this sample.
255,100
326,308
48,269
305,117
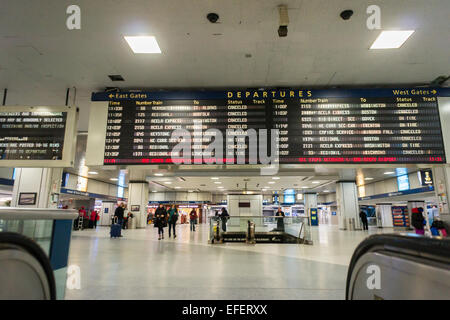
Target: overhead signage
360,126
37,136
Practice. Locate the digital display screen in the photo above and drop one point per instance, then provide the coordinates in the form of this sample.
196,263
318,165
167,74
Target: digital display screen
289,196
34,135
312,127
402,179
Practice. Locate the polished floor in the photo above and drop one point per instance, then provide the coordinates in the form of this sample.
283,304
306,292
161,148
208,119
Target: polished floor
138,266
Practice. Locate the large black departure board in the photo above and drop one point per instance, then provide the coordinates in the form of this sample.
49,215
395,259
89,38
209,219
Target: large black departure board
32,135
390,126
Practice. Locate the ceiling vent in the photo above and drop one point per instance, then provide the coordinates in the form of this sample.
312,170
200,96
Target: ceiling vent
116,77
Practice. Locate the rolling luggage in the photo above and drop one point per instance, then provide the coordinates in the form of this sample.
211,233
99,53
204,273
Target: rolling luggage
116,229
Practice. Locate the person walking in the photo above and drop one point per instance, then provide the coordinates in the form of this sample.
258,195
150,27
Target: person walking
417,220
92,219
193,218
173,218
224,216
160,220
280,220
363,217
97,217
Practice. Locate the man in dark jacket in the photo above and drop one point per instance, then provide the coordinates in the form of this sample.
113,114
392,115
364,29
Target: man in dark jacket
224,216
120,210
173,217
363,217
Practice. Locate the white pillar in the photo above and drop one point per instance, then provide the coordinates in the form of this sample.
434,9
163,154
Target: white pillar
347,199
44,182
310,201
138,196
347,204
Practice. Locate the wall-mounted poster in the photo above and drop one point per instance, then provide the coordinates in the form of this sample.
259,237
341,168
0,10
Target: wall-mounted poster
135,208
27,198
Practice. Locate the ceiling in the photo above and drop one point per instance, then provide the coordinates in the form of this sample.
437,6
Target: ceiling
40,58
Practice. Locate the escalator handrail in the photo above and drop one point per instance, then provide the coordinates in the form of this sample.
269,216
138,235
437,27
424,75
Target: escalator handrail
12,239
437,249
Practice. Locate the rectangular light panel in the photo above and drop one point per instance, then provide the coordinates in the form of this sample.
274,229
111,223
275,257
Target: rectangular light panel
391,39
143,44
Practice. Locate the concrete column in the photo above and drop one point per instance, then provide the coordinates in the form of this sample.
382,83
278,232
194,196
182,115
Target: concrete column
45,182
347,200
138,196
310,201
441,181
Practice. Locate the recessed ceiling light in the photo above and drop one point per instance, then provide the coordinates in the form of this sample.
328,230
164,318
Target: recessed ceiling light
220,187
217,182
316,182
143,44
214,178
263,189
389,172
114,179
304,187
154,191
326,190
391,39
368,178
271,182
276,178
168,182
93,172
158,174
177,187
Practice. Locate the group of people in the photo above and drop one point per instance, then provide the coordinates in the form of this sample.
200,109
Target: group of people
90,218
163,217
223,216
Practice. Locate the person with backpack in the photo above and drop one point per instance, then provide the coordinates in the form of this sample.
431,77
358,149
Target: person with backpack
173,218
193,218
160,220
417,220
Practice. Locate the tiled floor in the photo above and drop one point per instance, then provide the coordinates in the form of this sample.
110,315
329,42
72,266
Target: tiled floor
138,266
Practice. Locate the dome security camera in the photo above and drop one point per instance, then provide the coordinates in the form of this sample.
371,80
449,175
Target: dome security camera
212,17
346,14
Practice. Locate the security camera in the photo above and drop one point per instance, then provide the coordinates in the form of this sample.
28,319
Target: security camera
212,17
346,14
282,31
284,21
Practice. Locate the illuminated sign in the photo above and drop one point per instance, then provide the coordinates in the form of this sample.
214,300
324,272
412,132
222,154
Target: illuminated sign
289,196
402,179
37,136
376,126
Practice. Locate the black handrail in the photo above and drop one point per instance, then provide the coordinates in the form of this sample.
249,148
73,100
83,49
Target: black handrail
11,239
436,249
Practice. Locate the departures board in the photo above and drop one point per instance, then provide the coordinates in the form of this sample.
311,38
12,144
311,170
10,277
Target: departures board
36,136
358,126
